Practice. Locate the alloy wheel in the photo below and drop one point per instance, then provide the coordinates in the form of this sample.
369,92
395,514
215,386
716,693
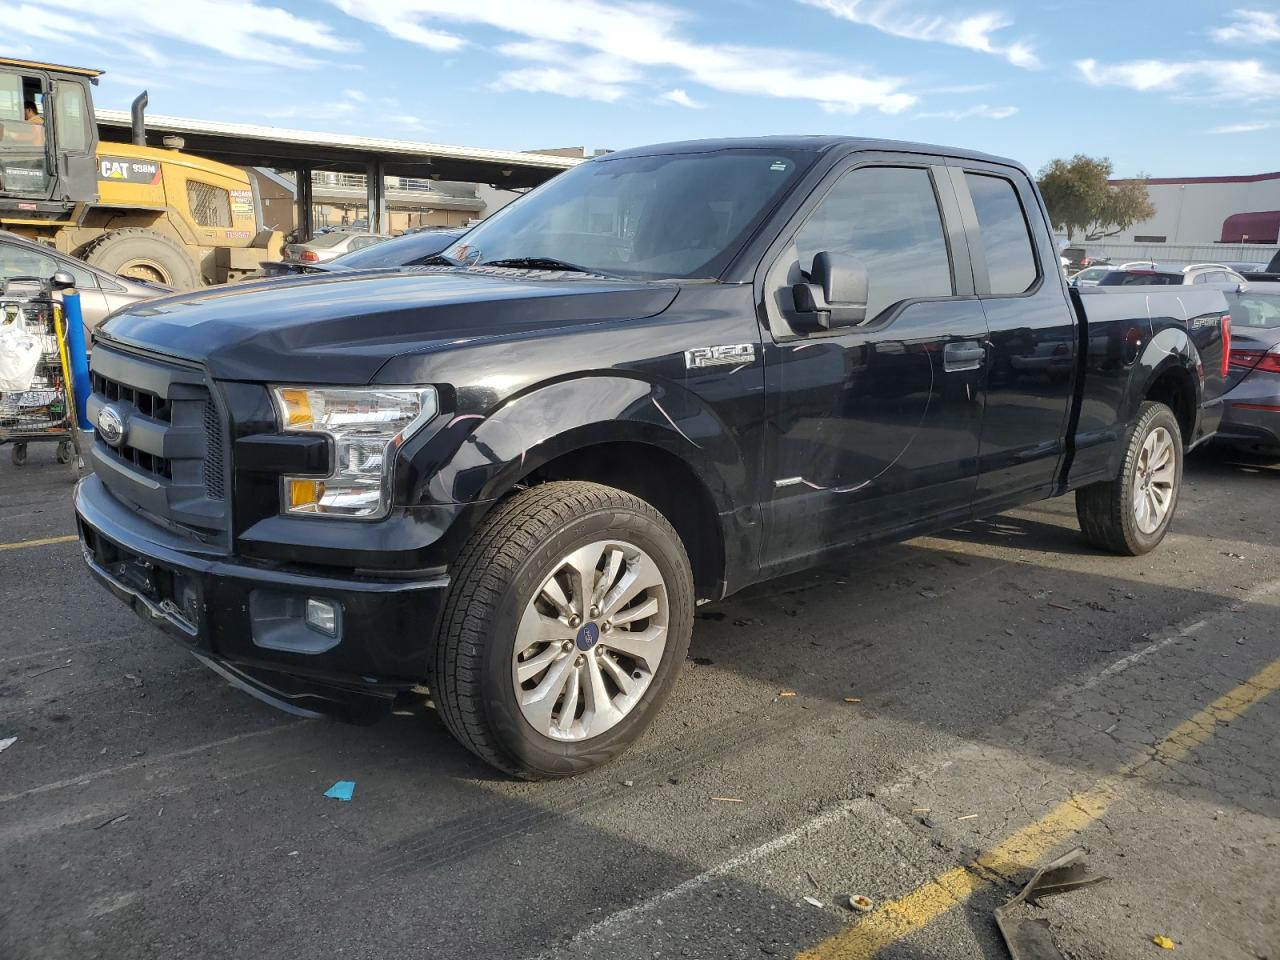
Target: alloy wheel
590,640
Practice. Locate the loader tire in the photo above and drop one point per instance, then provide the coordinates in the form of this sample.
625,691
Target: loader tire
141,254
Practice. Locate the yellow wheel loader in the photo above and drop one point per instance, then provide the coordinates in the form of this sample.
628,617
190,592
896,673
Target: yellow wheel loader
143,212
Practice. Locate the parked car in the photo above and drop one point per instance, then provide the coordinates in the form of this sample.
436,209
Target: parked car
1152,274
1077,258
662,376
100,292
1252,400
410,249
1090,276
330,246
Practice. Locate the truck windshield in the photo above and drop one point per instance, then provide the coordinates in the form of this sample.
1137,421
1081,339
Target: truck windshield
679,216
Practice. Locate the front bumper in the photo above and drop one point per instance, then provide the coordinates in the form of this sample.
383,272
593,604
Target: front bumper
244,620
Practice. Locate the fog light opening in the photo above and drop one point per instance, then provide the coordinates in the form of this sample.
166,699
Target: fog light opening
322,616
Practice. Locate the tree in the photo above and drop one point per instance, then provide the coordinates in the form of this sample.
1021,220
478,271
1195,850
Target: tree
1082,199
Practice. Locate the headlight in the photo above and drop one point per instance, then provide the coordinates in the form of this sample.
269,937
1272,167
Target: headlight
366,426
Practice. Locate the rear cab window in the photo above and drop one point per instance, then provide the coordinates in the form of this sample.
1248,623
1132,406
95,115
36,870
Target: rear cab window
1004,236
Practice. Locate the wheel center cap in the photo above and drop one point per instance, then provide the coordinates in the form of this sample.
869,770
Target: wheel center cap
588,636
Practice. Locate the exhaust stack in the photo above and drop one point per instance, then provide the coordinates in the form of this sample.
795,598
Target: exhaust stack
138,111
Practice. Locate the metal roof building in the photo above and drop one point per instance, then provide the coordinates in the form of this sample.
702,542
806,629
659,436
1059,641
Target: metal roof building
253,145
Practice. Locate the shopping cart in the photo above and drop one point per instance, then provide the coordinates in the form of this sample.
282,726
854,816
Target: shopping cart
43,412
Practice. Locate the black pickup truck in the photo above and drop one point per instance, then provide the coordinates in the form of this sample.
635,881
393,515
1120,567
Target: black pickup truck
664,375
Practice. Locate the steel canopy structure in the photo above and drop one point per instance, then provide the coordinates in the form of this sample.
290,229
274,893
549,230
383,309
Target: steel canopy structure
253,145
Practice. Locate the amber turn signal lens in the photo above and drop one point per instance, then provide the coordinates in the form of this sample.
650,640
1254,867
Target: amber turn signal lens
305,493
297,407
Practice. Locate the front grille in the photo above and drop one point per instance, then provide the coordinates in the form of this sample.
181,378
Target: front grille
214,468
171,460
147,404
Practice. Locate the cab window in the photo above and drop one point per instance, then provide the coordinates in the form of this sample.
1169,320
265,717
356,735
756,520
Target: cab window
888,219
71,117
23,167
1003,235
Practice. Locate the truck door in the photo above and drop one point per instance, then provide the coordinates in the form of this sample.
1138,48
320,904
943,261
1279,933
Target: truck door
875,427
1032,334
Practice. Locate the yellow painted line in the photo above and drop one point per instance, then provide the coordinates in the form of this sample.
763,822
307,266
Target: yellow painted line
47,541
899,918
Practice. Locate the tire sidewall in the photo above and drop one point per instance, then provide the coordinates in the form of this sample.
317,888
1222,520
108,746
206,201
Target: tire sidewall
113,251
1157,416
529,749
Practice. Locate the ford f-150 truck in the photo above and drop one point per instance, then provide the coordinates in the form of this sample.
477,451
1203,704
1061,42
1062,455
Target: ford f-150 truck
664,375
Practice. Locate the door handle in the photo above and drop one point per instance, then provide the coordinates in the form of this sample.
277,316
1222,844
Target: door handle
963,355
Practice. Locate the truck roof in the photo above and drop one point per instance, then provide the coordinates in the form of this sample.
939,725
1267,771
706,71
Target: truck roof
50,67
812,143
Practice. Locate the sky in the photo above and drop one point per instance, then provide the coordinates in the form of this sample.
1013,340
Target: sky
1173,88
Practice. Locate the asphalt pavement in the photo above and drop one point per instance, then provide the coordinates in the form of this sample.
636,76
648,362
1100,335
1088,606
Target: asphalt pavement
920,723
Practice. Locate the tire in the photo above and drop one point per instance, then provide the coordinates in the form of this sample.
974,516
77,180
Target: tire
143,254
18,454
1111,513
64,451
504,577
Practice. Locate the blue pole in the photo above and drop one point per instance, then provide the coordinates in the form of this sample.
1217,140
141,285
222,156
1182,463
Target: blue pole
77,355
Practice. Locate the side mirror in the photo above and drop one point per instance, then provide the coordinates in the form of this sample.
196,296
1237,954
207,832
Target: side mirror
62,280
837,294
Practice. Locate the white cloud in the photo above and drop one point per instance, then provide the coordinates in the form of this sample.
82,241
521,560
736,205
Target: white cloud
981,111
589,48
682,99
1218,79
972,32
239,29
1252,126
388,17
1250,26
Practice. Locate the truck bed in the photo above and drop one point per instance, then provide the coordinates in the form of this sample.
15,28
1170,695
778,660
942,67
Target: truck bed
1129,337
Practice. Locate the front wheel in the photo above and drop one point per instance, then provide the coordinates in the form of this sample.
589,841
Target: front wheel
565,627
1131,514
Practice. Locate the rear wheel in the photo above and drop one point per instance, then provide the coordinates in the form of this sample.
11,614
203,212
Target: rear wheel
564,630
18,454
142,254
1131,514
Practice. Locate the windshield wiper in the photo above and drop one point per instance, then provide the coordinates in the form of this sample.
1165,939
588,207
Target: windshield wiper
536,263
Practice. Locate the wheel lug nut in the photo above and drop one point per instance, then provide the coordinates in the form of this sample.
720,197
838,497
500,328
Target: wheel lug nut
575,621
567,646
606,626
580,660
595,612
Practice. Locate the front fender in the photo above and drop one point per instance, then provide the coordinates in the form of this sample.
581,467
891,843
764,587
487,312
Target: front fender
494,451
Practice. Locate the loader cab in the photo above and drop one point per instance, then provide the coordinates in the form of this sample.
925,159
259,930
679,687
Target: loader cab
48,142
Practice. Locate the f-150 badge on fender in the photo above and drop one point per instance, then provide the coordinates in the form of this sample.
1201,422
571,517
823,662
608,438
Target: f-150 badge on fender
732,355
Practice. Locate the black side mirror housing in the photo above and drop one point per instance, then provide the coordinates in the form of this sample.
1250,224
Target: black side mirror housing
62,280
836,295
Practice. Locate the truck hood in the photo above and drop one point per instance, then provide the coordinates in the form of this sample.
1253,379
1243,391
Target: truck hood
341,328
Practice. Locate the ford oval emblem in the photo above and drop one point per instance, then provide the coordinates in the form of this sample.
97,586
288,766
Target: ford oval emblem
110,425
